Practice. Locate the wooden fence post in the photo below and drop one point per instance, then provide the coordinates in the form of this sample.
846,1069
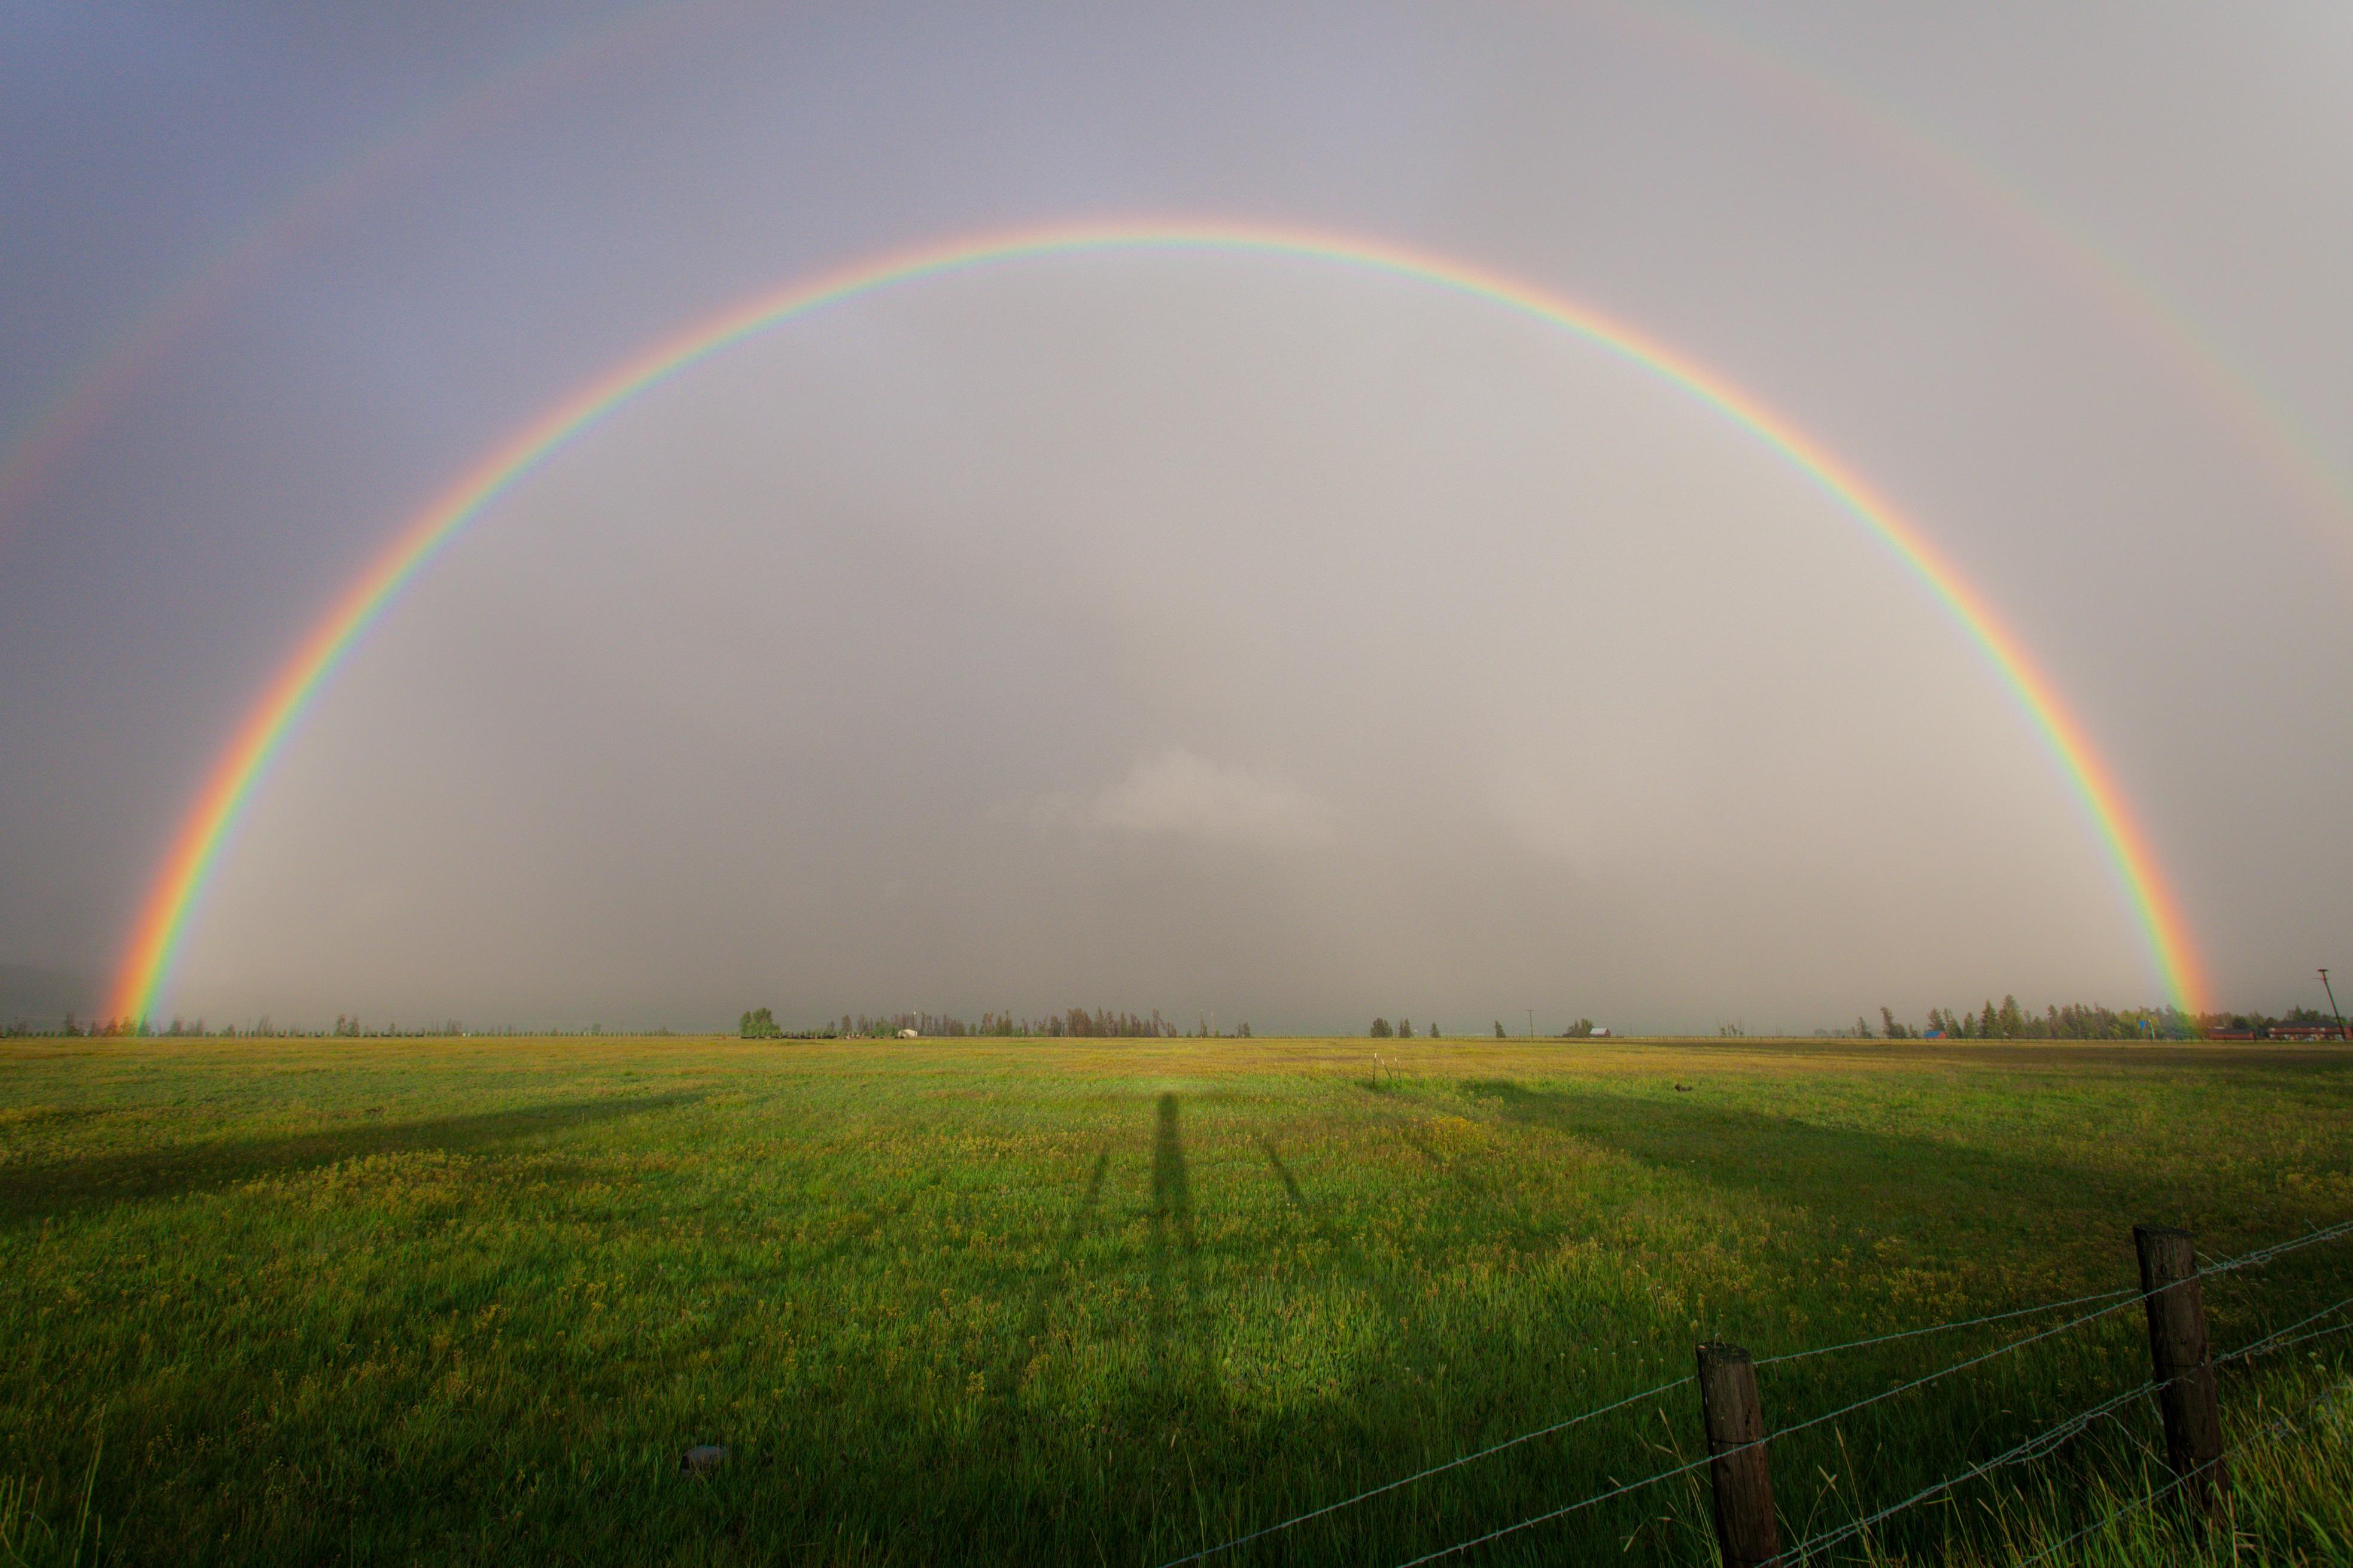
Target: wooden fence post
2182,1361
1745,1527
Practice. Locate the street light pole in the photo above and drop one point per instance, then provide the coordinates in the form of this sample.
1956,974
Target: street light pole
2332,1003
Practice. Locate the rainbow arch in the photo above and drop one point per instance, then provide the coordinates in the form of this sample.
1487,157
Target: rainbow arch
178,889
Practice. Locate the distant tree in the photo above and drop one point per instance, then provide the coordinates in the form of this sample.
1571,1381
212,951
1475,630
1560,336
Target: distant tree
1405,1028
760,1024
1581,1030
1244,1033
1433,1031
2013,1021
1861,1029
1380,1029
1989,1023
1895,1031
1499,1028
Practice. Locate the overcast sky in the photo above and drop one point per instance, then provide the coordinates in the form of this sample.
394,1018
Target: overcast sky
1185,631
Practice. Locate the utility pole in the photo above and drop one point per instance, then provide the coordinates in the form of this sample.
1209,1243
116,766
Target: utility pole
2332,1003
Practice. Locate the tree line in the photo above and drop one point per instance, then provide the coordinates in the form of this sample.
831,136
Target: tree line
346,1027
2082,1021
1074,1023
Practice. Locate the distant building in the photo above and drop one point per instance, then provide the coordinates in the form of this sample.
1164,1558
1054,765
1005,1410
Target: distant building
2306,1031
2230,1033
1600,1030
909,1034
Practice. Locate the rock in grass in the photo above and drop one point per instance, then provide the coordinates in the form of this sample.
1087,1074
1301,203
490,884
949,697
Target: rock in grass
702,1456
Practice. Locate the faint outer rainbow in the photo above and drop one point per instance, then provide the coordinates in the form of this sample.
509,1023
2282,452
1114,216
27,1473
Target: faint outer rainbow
179,886
134,351
1853,118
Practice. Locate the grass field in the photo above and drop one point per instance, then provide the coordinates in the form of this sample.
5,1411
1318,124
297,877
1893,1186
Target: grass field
1112,1301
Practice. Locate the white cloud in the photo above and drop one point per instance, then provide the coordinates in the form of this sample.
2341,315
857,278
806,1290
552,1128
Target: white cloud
1179,794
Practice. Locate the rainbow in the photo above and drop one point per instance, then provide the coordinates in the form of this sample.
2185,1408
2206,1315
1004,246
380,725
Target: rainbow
178,889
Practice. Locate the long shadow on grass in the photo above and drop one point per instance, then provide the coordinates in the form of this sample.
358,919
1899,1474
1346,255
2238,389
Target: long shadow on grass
34,1192
1173,1252
1283,1173
1860,1176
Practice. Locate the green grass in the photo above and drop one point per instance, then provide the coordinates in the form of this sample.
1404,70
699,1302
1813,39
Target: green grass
1111,1301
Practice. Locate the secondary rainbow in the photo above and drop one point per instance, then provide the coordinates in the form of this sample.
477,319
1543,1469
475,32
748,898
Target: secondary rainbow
134,352
2285,445
178,888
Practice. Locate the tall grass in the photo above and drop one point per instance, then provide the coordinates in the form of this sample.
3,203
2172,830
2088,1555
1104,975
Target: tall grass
2289,1497
28,1537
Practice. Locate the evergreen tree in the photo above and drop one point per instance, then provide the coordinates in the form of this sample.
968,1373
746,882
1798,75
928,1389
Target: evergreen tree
1380,1029
1405,1028
1499,1028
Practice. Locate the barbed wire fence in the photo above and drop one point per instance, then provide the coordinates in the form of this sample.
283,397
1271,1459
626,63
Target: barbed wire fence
2158,1494
2033,1447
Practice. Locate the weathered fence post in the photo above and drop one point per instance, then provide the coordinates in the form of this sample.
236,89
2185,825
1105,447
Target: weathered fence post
1745,1529
2181,1362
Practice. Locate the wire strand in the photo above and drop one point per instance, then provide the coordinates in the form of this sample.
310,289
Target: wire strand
1561,1512
2032,1448
2276,1339
1424,1475
2265,1254
1944,1328
2146,1498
